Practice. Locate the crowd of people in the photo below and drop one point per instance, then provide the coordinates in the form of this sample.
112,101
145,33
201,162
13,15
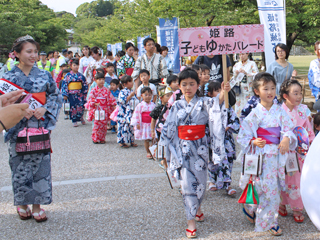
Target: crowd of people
138,98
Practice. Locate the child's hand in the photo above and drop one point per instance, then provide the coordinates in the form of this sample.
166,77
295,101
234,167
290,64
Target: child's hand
284,145
227,129
138,127
259,142
153,134
97,104
65,97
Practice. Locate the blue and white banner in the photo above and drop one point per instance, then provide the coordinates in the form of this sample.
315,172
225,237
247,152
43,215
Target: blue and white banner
168,32
114,48
140,45
272,16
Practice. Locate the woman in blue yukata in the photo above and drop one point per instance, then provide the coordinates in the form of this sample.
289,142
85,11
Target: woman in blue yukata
31,173
187,149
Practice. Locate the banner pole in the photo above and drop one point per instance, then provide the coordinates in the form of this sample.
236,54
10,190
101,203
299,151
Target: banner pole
225,79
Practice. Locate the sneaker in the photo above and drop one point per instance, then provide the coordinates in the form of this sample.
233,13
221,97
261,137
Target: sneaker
113,130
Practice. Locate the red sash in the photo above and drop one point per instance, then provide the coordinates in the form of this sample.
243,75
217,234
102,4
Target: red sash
145,117
191,132
129,71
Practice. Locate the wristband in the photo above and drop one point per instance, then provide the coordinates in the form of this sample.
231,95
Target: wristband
3,126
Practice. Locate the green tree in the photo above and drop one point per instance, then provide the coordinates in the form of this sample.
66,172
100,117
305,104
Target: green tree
98,8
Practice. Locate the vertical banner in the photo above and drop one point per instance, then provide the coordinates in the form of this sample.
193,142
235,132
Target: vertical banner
272,16
109,47
118,47
168,29
140,45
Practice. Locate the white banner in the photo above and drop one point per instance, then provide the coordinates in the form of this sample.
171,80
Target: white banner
272,16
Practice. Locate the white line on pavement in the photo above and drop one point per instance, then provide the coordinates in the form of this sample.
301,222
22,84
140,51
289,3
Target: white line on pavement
102,179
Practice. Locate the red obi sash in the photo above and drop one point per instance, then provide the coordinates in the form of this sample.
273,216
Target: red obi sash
129,71
191,132
145,117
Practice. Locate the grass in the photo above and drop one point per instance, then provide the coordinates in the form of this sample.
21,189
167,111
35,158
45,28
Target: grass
301,63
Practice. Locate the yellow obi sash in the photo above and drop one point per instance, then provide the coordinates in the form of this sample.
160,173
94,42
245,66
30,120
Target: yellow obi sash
75,86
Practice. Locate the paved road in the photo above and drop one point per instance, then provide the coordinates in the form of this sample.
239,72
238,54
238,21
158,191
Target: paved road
104,192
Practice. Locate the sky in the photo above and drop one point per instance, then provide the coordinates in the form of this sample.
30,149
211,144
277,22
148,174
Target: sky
64,5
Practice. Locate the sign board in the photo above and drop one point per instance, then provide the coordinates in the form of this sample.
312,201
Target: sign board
218,40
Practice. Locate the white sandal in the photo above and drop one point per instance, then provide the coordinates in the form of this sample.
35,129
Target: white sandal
212,185
38,215
231,192
27,211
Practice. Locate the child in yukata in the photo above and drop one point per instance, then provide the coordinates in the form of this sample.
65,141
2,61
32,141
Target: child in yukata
267,130
94,84
291,94
141,119
75,90
126,98
100,98
186,144
110,73
173,82
220,175
144,76
114,89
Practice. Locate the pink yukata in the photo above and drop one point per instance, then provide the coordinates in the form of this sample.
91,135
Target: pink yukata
272,180
107,103
299,116
141,116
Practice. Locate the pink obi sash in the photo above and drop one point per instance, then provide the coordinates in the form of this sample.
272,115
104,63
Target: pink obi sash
145,117
84,69
271,135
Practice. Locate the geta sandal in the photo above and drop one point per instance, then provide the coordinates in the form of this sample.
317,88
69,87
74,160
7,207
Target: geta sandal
27,211
198,218
275,231
37,216
283,210
124,145
193,233
134,145
250,218
231,192
211,186
298,218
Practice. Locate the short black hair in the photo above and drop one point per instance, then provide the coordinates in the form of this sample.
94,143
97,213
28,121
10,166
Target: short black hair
100,70
120,53
99,75
285,87
50,52
172,78
146,89
115,81
204,67
188,73
316,119
144,71
109,64
74,61
147,40
64,65
158,47
125,79
128,45
214,86
164,48
195,67
261,79
109,53
283,47
66,70
69,52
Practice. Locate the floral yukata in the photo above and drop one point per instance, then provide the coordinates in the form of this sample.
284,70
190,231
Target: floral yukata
91,69
220,174
160,114
272,179
188,159
123,64
31,174
141,117
107,103
299,116
125,130
76,97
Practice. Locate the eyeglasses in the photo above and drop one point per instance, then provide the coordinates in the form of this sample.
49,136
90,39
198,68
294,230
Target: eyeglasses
150,44
280,51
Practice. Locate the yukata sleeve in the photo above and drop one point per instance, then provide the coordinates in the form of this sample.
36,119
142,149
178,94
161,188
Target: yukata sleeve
248,130
53,99
81,66
135,120
64,87
91,100
286,129
120,68
122,99
233,121
163,68
254,69
307,125
84,85
137,67
155,112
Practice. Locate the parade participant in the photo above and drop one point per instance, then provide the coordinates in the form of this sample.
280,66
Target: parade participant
164,54
76,56
61,60
75,91
61,85
59,76
44,63
214,62
291,95
135,53
110,71
144,76
114,89
126,63
267,130
94,84
314,73
173,82
154,63
205,76
100,98
141,119
11,61
186,143
126,97
85,60
97,62
32,185
220,175
244,71
281,69
110,58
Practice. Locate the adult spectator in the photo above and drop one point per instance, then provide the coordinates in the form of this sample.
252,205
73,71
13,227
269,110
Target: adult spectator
11,61
31,173
126,63
97,62
61,60
154,63
244,72
85,60
214,62
314,73
110,58
69,56
44,63
164,54
281,69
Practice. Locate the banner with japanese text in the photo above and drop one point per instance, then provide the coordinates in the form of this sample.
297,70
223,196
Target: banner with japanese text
219,40
142,50
168,30
114,48
272,16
